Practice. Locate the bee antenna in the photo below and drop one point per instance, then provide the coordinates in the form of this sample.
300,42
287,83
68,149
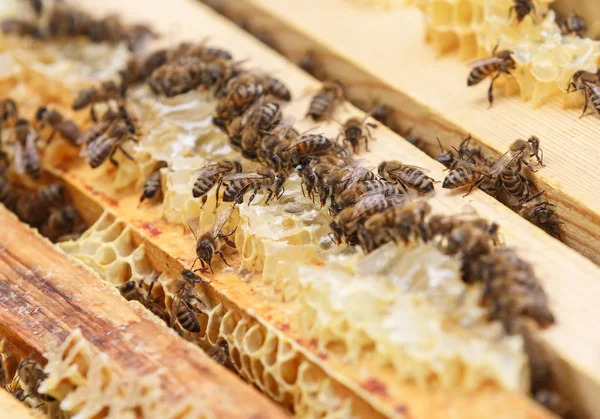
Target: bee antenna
440,143
40,112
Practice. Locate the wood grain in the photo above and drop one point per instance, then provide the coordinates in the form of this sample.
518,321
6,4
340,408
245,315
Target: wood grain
381,54
564,272
45,296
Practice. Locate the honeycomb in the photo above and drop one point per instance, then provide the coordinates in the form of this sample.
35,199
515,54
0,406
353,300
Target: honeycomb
545,59
89,387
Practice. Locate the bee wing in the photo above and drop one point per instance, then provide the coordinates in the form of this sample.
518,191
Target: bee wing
397,200
282,129
194,226
365,203
302,139
485,61
238,176
422,169
252,109
357,173
220,220
504,160
209,170
19,158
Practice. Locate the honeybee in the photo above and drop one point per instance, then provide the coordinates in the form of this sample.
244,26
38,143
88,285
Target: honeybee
31,375
573,25
500,62
183,309
198,50
272,149
107,144
465,173
346,224
350,196
220,353
322,104
209,176
356,129
306,146
67,22
108,90
131,291
51,196
445,157
137,36
470,239
178,77
8,112
276,88
522,8
407,176
55,120
238,184
589,84
62,222
152,185
312,65
541,214
21,28
27,154
257,120
332,182
396,223
509,165
209,243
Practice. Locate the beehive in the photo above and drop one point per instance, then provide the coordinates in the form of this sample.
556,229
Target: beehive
295,357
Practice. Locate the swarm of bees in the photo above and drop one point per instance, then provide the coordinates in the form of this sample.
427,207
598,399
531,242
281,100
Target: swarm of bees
508,179
57,20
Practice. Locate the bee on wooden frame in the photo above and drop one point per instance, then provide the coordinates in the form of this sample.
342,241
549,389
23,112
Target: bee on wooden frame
210,243
27,153
501,62
356,129
152,185
589,84
322,104
412,177
182,309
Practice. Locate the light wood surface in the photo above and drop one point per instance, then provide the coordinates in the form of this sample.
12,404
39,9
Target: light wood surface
570,279
47,295
381,54
11,408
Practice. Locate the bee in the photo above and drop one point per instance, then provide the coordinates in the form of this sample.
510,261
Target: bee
312,65
66,22
276,88
245,94
308,145
500,62
31,375
51,196
334,181
137,36
54,119
589,84
198,50
465,173
522,8
322,104
238,184
8,112
216,73
256,121
220,353
396,223
152,185
106,145
151,62
62,222
131,292
573,25
509,165
356,129
21,28
108,90
407,176
209,243
541,214
209,176
346,224
350,196
178,77
27,153
184,310
272,149
470,239
445,157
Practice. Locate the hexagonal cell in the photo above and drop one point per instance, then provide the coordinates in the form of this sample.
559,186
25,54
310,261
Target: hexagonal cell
463,13
271,386
254,339
105,255
289,370
441,13
214,323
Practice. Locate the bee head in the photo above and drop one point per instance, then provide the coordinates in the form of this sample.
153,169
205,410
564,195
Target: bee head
205,251
338,232
39,115
127,287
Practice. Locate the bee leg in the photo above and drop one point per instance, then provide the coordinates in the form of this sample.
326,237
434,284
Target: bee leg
51,137
223,258
587,101
217,193
229,243
93,114
111,158
129,156
254,192
472,187
204,199
528,165
491,90
269,196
